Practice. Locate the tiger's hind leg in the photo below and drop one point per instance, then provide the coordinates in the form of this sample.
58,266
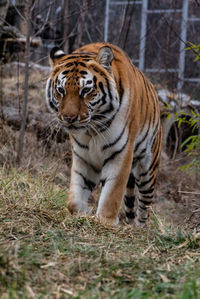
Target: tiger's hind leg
145,185
129,199
145,179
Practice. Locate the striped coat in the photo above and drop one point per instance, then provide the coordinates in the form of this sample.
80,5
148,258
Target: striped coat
111,112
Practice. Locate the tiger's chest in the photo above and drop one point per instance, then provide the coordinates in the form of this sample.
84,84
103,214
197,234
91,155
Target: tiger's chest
99,149
88,149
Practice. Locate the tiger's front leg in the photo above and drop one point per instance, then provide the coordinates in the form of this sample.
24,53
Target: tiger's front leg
82,182
115,174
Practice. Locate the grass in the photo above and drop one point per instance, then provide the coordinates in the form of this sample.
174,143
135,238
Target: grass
47,253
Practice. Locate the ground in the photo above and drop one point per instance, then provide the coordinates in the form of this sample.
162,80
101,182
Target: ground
47,253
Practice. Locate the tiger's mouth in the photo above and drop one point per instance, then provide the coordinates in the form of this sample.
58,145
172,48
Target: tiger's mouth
74,124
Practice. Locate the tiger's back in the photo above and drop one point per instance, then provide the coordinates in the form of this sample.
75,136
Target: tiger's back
111,112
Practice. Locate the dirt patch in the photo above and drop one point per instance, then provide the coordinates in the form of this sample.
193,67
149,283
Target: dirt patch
178,194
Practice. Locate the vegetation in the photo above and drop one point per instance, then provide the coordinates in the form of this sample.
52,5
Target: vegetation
47,253
195,49
192,143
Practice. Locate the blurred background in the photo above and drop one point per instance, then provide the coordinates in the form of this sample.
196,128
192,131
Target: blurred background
154,33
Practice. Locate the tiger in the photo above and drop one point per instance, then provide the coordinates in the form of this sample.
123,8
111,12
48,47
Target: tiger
110,110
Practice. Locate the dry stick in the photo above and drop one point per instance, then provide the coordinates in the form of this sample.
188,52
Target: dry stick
26,80
1,88
190,192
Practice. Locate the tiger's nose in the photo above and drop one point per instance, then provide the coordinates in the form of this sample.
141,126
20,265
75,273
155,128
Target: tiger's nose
70,118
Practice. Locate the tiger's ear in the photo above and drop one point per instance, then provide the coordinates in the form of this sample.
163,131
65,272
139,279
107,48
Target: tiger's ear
55,54
105,57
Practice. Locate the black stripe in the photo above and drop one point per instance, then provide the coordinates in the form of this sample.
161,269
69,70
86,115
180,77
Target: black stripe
65,72
49,89
111,157
104,93
108,87
82,64
154,134
116,139
69,64
90,184
140,156
95,81
129,201
103,181
83,55
80,144
143,139
94,104
145,202
142,152
131,181
144,173
130,215
146,191
142,220
152,166
121,91
143,208
144,183
109,109
86,162
83,72
108,123
72,70
154,112
147,196
71,57
53,106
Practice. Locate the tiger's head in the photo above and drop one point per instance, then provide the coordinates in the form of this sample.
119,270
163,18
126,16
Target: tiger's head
81,90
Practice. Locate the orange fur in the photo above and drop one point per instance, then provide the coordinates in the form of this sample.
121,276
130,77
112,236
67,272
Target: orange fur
140,111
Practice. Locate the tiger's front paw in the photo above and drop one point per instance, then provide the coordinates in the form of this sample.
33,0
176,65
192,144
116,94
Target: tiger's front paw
108,221
71,207
81,207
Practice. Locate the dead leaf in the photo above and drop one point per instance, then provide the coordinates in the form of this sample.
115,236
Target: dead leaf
51,264
164,278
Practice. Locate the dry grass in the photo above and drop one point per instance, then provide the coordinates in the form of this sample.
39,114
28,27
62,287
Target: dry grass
13,91
47,253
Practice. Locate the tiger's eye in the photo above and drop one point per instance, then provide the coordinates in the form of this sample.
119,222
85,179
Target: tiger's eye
61,90
86,90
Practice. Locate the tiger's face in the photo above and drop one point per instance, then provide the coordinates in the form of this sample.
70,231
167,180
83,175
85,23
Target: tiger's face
81,90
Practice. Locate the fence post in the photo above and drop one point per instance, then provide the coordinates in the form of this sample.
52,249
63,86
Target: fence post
106,21
182,45
143,34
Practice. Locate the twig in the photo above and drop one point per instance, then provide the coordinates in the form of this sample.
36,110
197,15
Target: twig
190,192
194,212
26,88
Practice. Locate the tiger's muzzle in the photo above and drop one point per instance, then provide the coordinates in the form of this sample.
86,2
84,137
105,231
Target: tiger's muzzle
74,121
